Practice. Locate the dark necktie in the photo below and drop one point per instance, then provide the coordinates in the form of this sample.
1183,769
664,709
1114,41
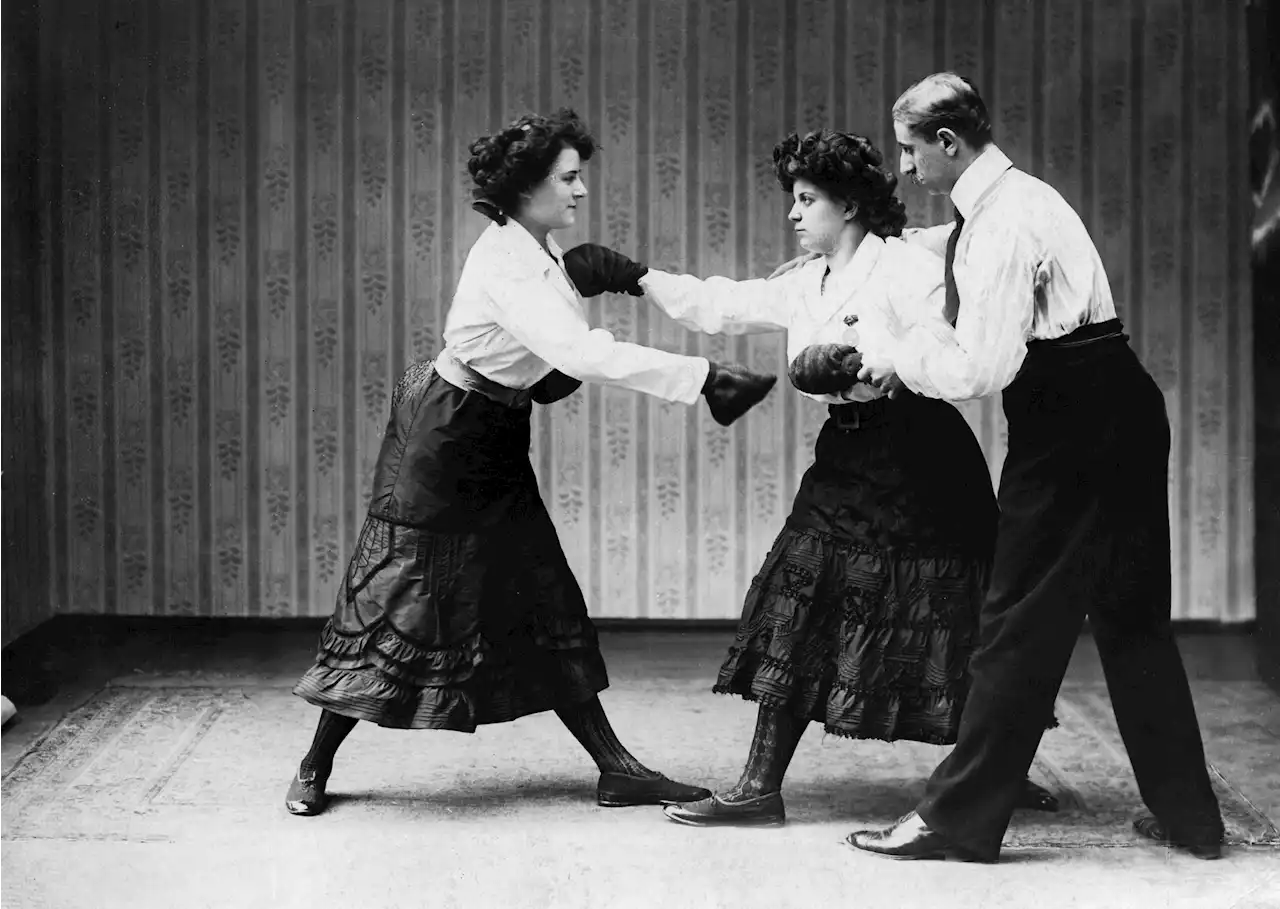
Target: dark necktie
953,295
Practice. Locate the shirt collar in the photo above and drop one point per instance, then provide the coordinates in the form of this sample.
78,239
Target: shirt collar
985,170
526,257
860,265
518,242
823,303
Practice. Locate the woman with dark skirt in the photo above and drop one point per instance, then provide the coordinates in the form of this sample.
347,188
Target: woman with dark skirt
458,607
864,614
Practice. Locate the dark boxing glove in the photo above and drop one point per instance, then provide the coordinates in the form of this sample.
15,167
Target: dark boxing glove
731,390
596,269
826,369
554,386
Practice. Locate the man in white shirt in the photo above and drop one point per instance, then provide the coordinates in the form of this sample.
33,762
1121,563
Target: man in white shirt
1084,526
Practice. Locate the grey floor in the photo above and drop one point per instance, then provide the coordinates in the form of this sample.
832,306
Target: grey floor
560,852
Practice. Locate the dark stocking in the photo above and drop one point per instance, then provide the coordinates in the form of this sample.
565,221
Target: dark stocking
330,732
590,726
774,744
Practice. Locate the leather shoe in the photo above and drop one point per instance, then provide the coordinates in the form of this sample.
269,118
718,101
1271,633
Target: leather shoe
306,796
1151,828
1036,798
762,811
909,838
617,790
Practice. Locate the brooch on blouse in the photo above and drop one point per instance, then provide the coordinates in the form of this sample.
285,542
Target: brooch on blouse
851,336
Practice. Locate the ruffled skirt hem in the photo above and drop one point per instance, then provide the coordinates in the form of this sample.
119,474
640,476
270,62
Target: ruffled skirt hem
380,677
871,643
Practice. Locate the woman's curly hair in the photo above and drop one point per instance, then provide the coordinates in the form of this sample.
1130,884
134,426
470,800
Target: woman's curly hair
846,167
519,157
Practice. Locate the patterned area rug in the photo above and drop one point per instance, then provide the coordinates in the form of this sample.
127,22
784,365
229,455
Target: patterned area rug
154,763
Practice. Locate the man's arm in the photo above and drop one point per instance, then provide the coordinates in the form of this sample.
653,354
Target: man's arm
933,238
791,265
984,351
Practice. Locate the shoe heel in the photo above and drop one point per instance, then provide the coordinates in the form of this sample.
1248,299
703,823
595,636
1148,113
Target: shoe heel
605,801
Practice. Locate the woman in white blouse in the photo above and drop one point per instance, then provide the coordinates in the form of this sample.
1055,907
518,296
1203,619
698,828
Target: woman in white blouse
458,608
864,613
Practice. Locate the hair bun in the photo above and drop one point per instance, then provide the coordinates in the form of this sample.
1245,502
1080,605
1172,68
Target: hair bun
520,155
848,167
870,153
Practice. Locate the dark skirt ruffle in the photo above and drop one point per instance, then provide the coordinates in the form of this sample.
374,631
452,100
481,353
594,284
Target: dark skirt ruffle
865,612
441,628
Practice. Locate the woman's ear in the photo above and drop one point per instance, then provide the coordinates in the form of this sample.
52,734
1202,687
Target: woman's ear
850,211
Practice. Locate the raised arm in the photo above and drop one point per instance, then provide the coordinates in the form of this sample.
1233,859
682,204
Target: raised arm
543,320
712,305
933,238
722,305
984,351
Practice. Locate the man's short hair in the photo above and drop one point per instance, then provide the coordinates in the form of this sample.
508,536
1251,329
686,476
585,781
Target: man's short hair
945,101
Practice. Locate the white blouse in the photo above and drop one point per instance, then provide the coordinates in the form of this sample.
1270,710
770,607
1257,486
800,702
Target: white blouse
889,285
516,316
1025,268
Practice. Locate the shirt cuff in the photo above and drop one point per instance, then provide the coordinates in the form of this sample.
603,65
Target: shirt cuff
698,371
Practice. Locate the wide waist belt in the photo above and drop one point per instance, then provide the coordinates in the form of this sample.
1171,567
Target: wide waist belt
1085,334
460,375
860,414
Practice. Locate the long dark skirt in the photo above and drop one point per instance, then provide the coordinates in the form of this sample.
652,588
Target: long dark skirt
458,607
865,612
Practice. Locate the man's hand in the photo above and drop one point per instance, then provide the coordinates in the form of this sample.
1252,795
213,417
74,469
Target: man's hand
882,377
791,265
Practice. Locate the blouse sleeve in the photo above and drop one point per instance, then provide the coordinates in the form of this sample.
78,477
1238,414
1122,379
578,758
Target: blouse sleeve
722,305
538,316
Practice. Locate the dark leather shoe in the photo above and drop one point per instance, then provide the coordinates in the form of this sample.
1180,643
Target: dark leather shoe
731,390
617,790
1152,829
762,811
909,838
306,795
1036,798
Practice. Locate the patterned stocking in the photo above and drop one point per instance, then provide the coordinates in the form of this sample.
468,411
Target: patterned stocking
330,731
774,744
590,726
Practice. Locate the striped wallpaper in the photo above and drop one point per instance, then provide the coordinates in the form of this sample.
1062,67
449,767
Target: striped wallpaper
255,211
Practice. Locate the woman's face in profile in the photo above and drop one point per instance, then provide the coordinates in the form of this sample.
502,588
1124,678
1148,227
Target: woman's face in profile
818,218
553,203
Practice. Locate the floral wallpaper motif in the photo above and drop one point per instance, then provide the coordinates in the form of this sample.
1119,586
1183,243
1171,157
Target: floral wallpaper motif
255,213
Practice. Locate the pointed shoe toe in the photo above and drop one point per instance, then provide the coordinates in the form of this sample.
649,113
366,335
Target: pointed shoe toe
306,796
1150,828
618,790
762,811
909,838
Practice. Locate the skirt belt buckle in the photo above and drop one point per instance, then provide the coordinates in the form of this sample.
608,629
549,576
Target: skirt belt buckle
850,418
